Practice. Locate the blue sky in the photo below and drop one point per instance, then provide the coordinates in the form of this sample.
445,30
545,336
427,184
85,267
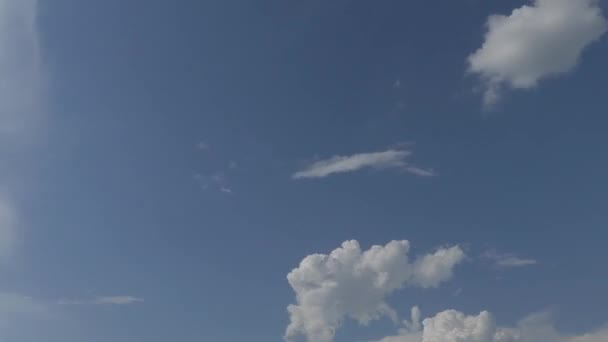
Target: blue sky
165,166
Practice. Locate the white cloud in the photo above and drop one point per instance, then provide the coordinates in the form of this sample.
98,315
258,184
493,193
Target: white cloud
454,326
392,158
433,269
535,42
351,283
111,300
508,260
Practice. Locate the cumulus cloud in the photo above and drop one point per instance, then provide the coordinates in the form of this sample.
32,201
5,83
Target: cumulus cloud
392,158
433,269
536,41
452,326
111,300
351,283
455,326
508,260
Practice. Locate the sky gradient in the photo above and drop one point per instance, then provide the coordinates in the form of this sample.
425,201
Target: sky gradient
261,170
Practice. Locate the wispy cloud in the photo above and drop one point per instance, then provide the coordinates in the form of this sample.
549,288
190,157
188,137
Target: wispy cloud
219,170
22,117
111,300
389,159
202,146
217,182
508,260
420,171
513,261
11,303
226,190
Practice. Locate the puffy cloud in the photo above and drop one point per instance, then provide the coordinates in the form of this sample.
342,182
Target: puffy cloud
535,42
432,269
351,283
392,158
454,326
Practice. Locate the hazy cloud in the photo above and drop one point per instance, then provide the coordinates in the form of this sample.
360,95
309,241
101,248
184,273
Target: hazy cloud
111,300
8,227
507,260
202,146
536,41
21,98
11,303
22,81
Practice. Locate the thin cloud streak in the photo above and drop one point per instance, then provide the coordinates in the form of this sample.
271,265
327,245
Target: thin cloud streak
389,159
111,300
514,261
508,260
